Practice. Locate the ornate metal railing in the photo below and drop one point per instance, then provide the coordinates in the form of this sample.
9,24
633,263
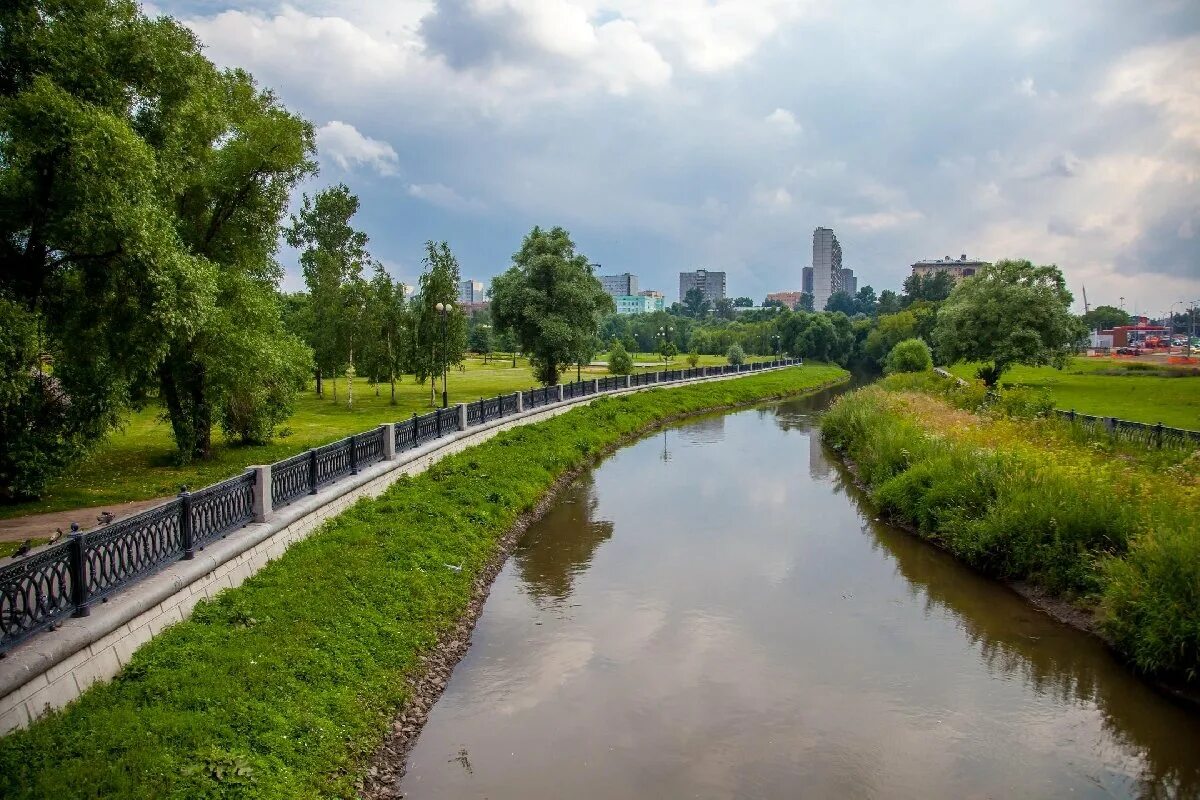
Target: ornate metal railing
38,590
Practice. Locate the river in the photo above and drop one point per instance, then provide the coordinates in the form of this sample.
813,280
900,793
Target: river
713,612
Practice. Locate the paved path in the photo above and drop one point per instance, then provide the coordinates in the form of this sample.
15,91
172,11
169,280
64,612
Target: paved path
41,526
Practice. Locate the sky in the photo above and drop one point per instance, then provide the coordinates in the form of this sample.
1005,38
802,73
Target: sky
670,135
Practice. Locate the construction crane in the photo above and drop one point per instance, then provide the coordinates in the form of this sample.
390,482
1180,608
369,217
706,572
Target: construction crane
1086,307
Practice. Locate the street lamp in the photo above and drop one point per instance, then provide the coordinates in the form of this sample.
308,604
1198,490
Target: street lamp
665,333
444,310
775,338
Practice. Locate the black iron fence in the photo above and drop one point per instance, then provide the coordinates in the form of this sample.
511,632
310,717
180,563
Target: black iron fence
39,590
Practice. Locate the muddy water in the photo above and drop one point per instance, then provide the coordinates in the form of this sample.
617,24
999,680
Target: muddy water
713,613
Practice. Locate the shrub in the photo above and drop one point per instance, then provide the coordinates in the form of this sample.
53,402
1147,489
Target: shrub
693,359
619,360
910,355
736,355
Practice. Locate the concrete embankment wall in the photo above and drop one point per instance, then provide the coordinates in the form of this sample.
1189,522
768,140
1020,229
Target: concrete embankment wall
53,668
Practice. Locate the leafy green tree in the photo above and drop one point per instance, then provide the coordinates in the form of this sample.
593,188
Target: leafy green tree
865,301
743,302
840,301
933,287
550,301
890,330
693,358
388,328
736,355
806,301
889,302
440,340
910,355
619,361
667,350
769,303
1105,318
480,340
695,304
333,254
724,309
1011,312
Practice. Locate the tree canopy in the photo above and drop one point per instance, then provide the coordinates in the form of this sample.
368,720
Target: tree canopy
1105,318
1012,312
550,301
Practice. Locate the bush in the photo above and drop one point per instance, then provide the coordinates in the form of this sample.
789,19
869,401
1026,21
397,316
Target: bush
693,359
910,355
736,355
619,361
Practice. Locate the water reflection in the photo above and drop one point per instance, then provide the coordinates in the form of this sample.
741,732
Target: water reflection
561,546
728,622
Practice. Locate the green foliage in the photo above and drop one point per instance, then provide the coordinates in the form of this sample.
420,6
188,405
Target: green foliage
619,360
1105,318
285,686
743,302
736,356
667,350
695,304
693,358
1012,312
440,339
934,287
910,355
551,302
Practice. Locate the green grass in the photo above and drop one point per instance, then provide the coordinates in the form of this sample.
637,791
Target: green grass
1135,392
285,686
137,462
1021,499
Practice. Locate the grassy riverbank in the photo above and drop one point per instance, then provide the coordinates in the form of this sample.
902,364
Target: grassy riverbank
1106,387
1114,528
284,686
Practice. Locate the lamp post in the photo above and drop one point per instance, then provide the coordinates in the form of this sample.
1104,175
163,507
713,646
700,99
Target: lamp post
444,310
665,333
775,339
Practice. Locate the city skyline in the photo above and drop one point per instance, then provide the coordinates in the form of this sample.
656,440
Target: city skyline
667,138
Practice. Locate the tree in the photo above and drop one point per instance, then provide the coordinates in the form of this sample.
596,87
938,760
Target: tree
1011,312
439,340
769,303
724,309
865,301
743,302
388,329
550,301
695,304
693,358
840,301
619,361
910,355
480,340
889,302
332,257
933,287
890,330
1105,318
667,350
806,301
736,356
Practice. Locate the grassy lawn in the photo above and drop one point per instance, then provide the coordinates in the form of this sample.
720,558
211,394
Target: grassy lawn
136,462
284,686
1111,389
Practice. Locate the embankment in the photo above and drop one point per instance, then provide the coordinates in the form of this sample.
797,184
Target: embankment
286,686
1110,530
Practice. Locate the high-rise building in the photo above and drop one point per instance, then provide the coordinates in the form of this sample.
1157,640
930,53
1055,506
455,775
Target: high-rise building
827,267
806,280
848,282
471,292
623,285
710,284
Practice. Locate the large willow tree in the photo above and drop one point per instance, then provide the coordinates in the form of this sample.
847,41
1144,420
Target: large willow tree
140,196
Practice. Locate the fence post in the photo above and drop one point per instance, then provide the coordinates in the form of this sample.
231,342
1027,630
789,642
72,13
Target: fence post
560,392
1071,416
595,385
312,471
462,416
263,502
1158,435
389,441
437,419
1110,423
520,402
185,525
628,381
353,454
416,428
79,592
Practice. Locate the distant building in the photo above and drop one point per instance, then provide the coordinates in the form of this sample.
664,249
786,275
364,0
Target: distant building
849,283
470,292
636,304
660,301
710,284
789,299
959,268
806,280
826,266
623,285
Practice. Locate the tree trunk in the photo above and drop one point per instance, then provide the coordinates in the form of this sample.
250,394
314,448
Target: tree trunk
320,393
393,381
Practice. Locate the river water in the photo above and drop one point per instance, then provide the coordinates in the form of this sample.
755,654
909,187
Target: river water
712,612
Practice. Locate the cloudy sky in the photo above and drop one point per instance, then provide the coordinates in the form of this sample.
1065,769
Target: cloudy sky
675,134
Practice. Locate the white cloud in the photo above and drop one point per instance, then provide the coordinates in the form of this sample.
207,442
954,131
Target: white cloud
349,149
1164,76
443,196
784,121
1027,88
880,220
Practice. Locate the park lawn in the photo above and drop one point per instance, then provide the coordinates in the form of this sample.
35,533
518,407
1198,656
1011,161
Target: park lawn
283,687
678,361
137,461
1084,386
